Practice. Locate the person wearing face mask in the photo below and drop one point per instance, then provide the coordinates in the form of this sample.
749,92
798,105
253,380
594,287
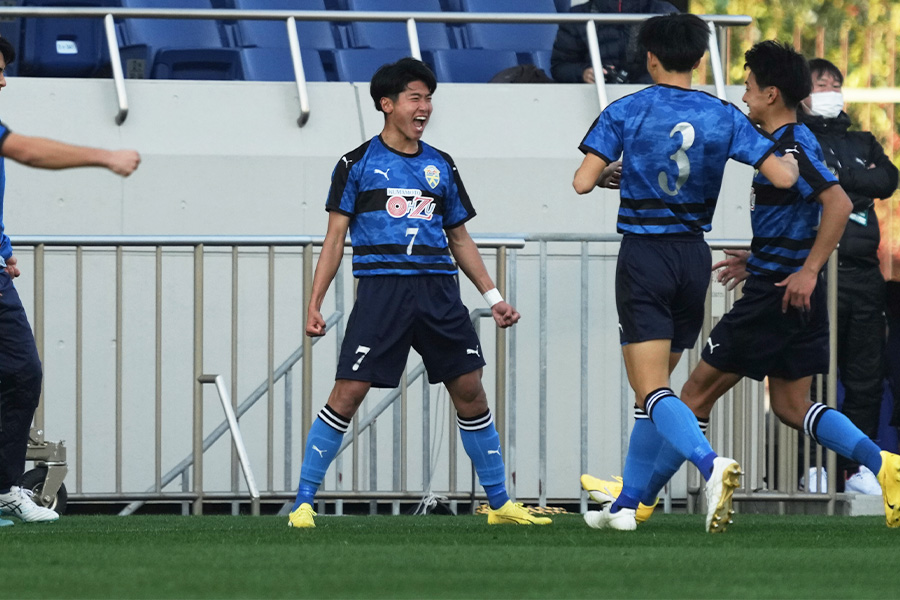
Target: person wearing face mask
866,174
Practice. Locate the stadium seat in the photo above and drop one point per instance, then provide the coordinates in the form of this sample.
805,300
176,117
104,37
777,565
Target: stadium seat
517,37
176,48
359,64
372,34
541,59
273,34
58,47
563,6
274,64
470,65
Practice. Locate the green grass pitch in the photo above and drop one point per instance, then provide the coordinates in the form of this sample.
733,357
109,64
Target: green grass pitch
761,556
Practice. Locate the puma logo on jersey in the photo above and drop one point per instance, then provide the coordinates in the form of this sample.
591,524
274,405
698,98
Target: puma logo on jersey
712,346
320,451
346,161
473,351
385,173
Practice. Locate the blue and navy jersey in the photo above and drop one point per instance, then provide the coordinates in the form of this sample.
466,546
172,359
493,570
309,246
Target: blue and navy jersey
5,246
399,206
785,221
674,144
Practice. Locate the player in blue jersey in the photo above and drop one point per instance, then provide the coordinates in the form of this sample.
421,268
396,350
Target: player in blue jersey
779,326
674,143
21,372
405,207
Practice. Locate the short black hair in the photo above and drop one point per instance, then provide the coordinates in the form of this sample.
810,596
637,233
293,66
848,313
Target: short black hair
819,66
391,79
7,50
678,40
779,65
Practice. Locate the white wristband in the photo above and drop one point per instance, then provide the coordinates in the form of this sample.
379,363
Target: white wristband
492,297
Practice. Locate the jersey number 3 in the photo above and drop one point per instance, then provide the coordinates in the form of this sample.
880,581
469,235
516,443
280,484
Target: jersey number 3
680,157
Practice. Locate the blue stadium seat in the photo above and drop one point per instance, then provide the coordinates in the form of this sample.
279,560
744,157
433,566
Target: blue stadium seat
58,47
359,64
274,64
541,59
563,6
370,34
176,48
518,37
470,65
273,34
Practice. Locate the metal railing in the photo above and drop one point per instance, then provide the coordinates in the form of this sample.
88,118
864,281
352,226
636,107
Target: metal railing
741,426
717,24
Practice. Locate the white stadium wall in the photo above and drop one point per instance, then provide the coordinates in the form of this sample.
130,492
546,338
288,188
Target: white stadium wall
227,158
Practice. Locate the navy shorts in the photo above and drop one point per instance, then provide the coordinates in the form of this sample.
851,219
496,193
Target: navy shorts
661,284
395,312
756,339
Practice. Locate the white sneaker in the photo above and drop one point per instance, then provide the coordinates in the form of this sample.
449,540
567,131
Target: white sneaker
18,503
818,481
623,519
863,482
725,478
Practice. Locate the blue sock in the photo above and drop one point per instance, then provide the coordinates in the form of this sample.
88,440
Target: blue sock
482,443
667,463
643,448
677,424
322,443
836,432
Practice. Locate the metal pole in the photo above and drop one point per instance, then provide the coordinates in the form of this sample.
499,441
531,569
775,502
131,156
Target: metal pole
198,371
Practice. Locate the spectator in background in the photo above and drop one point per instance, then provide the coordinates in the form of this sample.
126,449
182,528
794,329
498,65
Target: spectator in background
623,61
858,161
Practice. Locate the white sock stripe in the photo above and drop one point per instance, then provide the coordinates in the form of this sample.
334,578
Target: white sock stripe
811,419
640,414
655,397
704,424
334,420
475,424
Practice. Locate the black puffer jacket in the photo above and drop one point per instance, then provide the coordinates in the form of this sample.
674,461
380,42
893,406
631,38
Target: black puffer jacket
618,43
865,173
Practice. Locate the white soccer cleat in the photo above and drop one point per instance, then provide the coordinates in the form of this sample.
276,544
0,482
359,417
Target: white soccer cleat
622,520
17,503
725,478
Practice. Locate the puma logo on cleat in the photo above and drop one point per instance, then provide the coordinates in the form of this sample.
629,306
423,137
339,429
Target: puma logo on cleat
385,173
320,451
712,346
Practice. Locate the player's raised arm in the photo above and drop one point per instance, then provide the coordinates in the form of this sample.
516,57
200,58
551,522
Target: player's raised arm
782,171
329,260
468,257
589,173
43,153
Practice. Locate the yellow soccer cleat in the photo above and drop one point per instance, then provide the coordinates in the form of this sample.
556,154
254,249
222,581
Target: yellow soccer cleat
605,492
515,514
889,478
302,517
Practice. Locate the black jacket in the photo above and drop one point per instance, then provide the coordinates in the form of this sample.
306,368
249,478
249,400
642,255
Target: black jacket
865,173
618,43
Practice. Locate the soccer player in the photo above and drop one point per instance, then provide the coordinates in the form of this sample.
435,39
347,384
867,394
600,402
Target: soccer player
20,366
779,326
675,142
406,208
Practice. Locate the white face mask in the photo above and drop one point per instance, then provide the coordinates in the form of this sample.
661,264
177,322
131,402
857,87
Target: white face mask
826,104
